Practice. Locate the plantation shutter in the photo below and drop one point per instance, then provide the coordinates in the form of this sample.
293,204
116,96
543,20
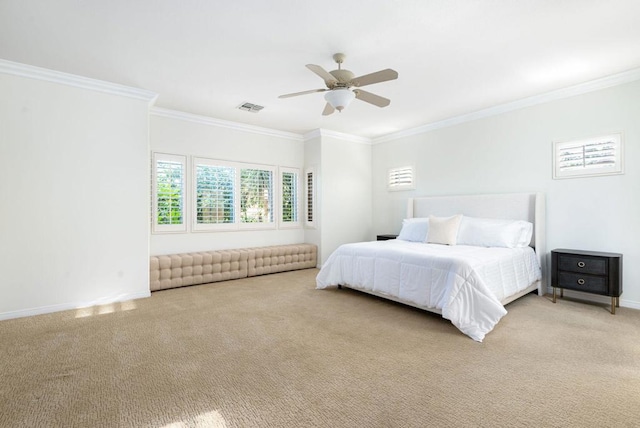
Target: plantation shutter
595,156
401,178
256,195
289,196
168,190
310,197
215,194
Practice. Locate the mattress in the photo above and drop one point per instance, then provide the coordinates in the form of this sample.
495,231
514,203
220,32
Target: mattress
465,283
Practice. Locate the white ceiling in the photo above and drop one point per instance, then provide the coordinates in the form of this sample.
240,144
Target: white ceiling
208,56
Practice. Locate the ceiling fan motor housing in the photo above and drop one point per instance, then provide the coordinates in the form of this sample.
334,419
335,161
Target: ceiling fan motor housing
344,78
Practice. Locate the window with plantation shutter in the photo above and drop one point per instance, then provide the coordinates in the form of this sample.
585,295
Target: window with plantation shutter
256,195
168,192
214,194
290,197
232,195
401,178
588,157
310,191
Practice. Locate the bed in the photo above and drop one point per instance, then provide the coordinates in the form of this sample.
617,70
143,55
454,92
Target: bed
492,256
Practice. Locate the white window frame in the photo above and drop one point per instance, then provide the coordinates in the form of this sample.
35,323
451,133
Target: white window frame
310,192
299,198
397,178
168,228
237,223
617,167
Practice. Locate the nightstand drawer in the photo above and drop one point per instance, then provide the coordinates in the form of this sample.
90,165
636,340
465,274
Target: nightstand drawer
586,283
594,266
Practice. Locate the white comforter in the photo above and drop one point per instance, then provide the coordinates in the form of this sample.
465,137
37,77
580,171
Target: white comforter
466,283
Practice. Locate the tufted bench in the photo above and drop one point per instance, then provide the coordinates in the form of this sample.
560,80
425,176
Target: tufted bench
178,270
281,258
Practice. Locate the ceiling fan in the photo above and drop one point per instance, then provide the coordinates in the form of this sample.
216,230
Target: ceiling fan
343,86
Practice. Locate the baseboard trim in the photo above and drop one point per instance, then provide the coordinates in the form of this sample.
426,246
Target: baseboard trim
72,306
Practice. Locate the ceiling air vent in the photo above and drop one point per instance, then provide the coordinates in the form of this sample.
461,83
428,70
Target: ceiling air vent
253,108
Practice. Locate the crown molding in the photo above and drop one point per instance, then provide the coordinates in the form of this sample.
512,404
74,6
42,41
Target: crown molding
32,72
337,135
570,91
219,123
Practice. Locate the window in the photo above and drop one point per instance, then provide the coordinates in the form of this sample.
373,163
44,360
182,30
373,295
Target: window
256,195
230,195
290,204
310,191
168,193
215,189
588,157
401,178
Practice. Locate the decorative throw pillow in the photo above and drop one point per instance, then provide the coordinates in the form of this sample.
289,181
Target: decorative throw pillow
491,232
443,230
414,229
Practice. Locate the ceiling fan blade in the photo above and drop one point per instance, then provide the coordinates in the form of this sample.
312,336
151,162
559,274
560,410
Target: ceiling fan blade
295,94
328,110
370,98
377,77
326,76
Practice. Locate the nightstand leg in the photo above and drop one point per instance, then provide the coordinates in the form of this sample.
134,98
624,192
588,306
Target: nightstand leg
562,293
613,306
618,302
554,294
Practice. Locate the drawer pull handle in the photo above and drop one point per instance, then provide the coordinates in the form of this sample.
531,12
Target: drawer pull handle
581,281
580,264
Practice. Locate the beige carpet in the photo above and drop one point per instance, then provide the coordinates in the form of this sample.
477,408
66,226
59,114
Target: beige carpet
272,351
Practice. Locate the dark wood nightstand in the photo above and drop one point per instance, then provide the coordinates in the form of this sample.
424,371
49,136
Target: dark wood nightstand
385,237
588,271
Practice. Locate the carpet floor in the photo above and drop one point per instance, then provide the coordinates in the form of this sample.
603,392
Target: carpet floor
272,351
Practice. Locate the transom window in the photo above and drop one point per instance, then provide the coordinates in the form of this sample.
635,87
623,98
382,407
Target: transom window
401,178
588,157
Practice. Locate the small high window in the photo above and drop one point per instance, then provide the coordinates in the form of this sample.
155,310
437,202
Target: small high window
589,157
401,178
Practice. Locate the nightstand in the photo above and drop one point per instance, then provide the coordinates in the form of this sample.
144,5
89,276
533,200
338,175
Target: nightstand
588,271
385,237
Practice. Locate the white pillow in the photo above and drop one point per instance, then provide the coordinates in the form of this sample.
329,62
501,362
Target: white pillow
491,232
443,230
414,229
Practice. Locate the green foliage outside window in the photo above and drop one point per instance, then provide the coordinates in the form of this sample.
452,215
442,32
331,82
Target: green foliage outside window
214,194
169,193
256,196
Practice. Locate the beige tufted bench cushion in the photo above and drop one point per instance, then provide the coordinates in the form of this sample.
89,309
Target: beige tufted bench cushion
281,258
178,270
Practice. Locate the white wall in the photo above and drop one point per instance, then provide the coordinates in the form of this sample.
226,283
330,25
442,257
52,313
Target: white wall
75,196
512,152
346,202
202,137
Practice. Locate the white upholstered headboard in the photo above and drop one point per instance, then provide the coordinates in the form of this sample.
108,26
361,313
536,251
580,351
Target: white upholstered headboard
513,206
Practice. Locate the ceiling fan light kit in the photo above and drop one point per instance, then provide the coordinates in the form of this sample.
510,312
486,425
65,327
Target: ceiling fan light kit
340,98
339,92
